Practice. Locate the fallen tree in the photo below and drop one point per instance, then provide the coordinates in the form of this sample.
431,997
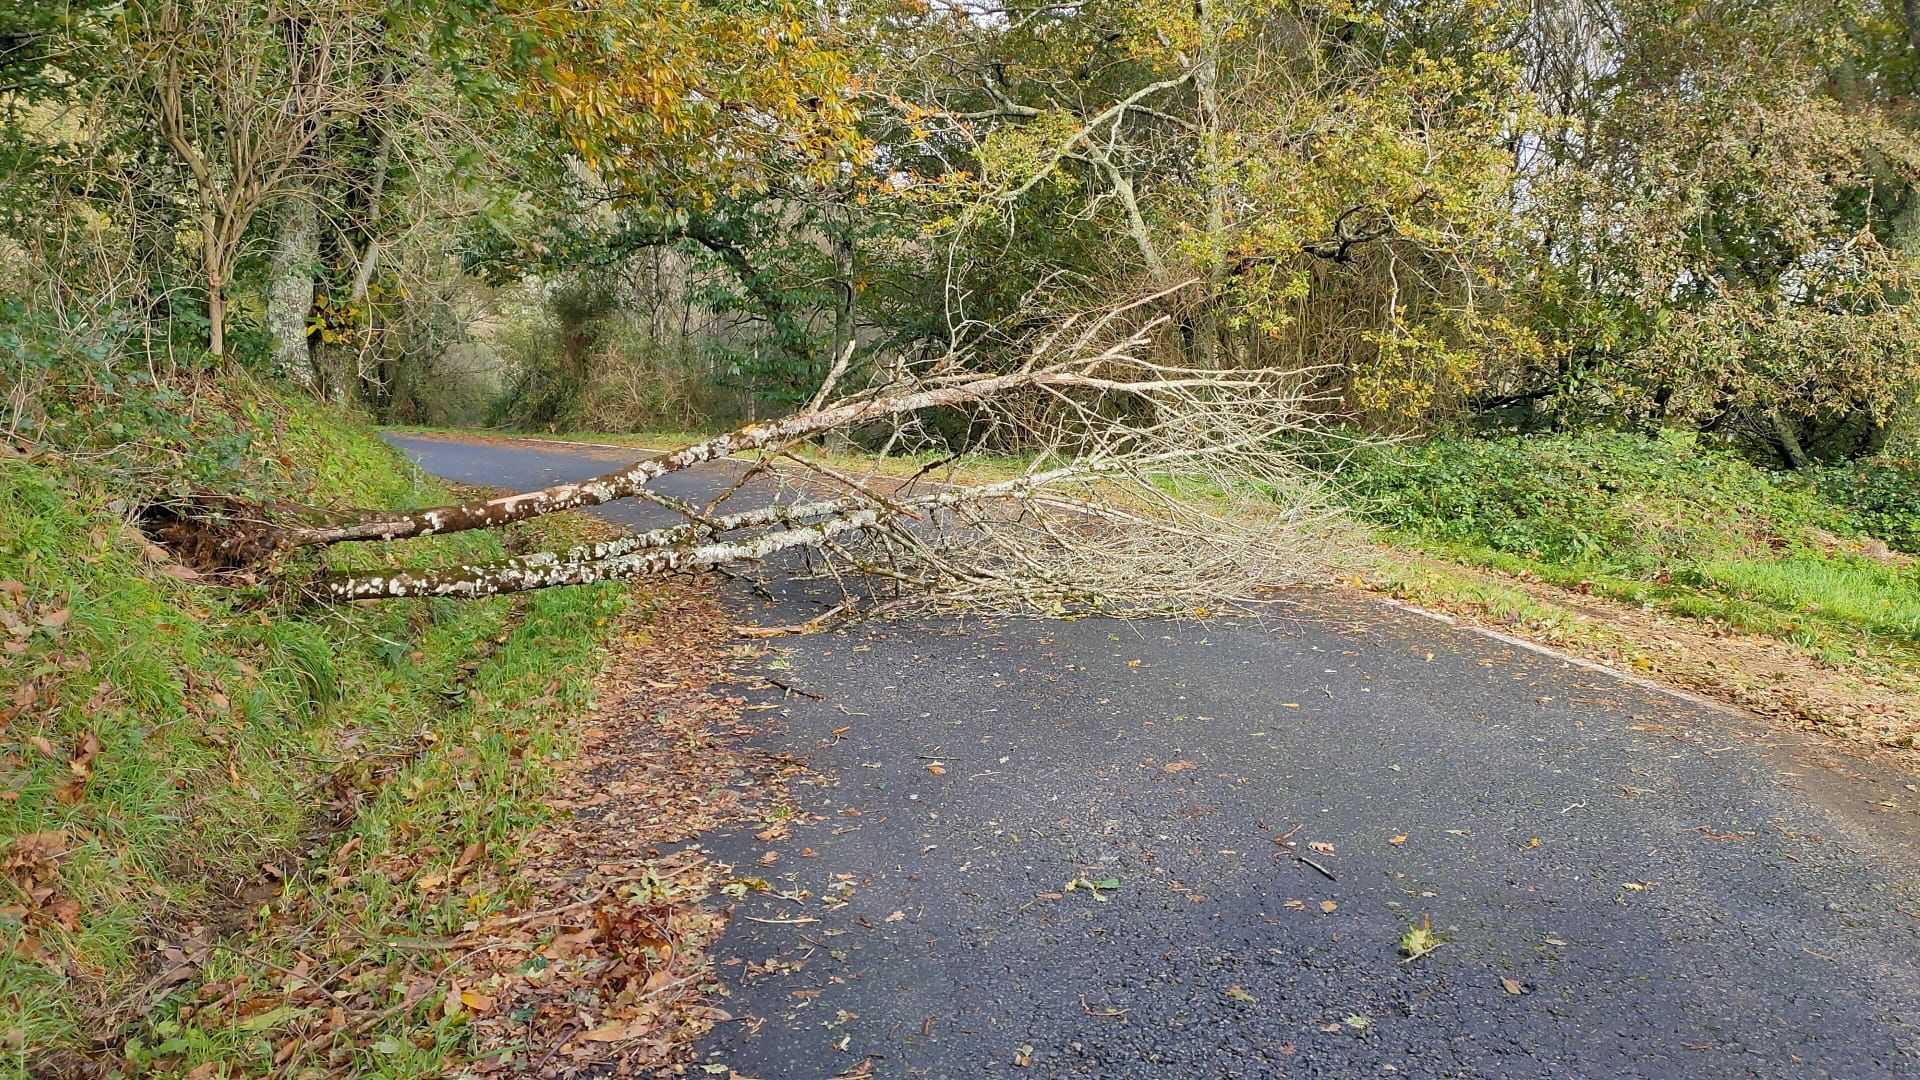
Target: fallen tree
1148,485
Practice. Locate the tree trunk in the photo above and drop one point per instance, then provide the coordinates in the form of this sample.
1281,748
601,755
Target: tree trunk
838,439
296,252
1910,12
216,319
1206,84
631,480
1787,441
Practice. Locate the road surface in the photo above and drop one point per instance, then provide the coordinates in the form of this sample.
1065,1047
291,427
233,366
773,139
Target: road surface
1624,883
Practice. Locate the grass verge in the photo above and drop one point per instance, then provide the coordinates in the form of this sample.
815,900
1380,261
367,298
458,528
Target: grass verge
226,819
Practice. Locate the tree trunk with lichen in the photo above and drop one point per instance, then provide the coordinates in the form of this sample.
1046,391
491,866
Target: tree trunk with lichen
631,480
296,254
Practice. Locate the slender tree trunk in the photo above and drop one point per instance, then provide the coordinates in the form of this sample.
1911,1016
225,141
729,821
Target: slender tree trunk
296,254
1910,12
631,480
1786,440
1206,83
838,439
215,267
216,319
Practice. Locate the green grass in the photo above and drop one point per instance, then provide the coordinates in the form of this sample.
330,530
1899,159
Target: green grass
1664,523
234,734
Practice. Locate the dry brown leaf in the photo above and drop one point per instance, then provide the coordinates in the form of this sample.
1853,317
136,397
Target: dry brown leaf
81,763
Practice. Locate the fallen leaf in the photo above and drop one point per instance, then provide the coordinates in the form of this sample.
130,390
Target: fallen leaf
1318,847
1023,1055
619,1031
1328,907
1512,986
1176,766
936,768
1238,994
1401,839
898,916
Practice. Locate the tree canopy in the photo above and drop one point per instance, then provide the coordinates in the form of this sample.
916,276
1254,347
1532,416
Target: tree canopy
1624,213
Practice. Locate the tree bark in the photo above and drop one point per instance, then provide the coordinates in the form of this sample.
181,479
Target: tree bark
296,253
525,575
1786,440
1206,84
838,439
631,480
626,482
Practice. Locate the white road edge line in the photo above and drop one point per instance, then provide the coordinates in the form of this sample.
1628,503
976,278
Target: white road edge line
1577,661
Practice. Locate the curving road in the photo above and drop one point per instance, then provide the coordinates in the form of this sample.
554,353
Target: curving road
1626,883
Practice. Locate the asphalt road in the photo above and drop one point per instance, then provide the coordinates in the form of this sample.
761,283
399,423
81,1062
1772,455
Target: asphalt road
1625,883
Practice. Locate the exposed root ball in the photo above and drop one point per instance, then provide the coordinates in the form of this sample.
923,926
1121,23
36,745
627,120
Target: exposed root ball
210,534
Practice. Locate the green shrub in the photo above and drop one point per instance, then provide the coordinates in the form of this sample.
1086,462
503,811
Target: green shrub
1882,495
1624,503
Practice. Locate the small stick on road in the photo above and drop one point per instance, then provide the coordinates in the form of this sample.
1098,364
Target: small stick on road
1323,870
793,689
1285,840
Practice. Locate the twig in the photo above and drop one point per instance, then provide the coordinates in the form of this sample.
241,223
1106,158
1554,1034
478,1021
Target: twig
1323,870
565,1034
793,689
531,916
